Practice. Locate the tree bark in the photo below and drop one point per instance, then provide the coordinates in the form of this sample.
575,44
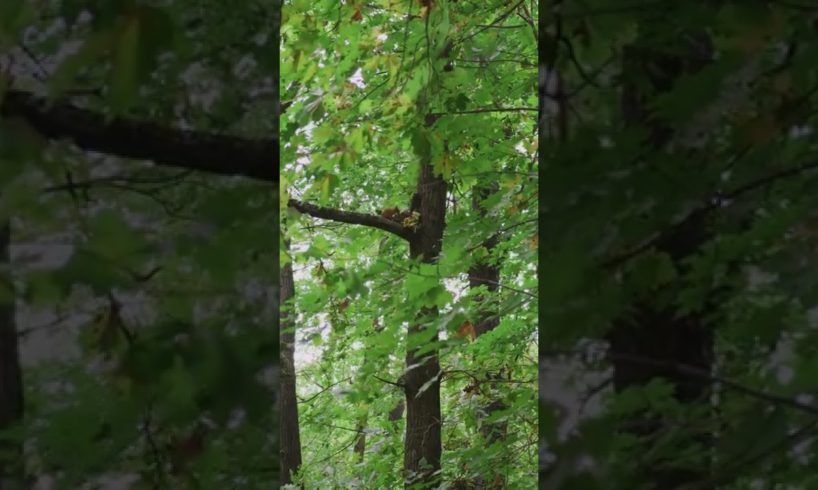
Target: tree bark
423,419
487,273
290,434
654,331
11,381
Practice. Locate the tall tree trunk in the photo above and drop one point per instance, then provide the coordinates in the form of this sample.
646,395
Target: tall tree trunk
290,435
423,439
654,331
487,273
11,381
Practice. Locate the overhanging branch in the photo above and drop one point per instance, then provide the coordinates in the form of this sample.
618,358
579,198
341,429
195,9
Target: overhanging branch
205,152
351,217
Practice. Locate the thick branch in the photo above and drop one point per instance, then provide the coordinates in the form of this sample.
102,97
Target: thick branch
206,152
351,217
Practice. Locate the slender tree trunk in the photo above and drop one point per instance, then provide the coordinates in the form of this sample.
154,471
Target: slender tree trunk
423,439
290,436
487,274
363,419
656,331
11,381
360,440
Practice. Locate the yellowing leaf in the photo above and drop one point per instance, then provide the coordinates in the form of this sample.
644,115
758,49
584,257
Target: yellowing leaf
511,182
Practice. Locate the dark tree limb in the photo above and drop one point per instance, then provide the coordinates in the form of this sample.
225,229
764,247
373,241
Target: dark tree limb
11,380
142,140
352,217
399,385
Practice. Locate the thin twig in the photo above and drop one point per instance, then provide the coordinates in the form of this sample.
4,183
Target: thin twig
156,455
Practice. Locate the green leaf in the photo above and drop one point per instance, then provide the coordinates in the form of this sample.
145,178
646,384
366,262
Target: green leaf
181,389
94,47
41,290
125,70
111,237
651,271
754,433
15,15
87,267
422,290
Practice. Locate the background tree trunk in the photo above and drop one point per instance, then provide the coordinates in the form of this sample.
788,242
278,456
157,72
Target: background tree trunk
290,435
423,438
486,273
11,381
656,331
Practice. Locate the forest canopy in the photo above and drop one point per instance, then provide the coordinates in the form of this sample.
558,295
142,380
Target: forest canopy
138,209
408,200
678,266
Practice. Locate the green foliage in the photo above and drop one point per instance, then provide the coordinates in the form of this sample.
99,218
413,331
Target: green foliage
161,281
737,160
361,79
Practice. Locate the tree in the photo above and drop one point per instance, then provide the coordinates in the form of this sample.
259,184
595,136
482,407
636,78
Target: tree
148,152
11,382
651,329
675,211
484,278
385,135
290,437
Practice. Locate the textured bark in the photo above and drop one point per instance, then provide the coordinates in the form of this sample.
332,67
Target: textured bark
11,382
487,318
654,331
290,434
397,412
423,439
